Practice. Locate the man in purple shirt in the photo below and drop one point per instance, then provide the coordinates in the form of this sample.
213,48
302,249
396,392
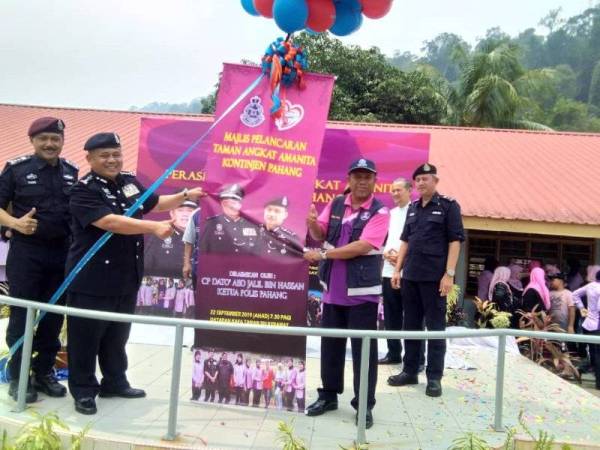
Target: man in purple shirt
353,228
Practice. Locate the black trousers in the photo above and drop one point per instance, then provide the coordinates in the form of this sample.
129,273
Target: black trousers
89,339
333,350
422,300
594,356
392,317
35,273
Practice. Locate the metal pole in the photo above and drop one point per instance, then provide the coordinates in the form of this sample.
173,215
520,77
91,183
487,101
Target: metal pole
175,377
361,437
499,384
25,360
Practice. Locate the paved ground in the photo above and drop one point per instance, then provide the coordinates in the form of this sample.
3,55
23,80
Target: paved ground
404,417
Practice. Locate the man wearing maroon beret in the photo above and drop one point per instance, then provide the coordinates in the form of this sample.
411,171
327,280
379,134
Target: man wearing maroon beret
36,187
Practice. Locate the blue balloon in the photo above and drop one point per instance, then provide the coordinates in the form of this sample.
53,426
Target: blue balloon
348,17
290,15
248,6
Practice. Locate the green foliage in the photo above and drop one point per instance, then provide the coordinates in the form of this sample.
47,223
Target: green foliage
546,353
488,316
287,439
594,97
370,89
41,434
469,441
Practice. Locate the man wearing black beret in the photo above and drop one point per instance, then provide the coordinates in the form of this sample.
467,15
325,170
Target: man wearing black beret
431,241
111,279
37,188
274,238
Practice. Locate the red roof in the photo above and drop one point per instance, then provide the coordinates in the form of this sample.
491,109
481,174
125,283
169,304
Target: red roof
498,174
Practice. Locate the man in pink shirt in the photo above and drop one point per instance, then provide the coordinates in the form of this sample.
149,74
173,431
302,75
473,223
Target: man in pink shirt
353,228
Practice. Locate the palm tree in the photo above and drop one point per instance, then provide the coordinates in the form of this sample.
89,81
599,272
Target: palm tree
493,89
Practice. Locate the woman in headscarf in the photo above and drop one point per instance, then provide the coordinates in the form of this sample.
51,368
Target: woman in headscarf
500,291
485,277
536,293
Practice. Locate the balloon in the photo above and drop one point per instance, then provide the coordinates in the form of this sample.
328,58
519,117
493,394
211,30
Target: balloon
290,15
348,18
248,6
264,7
376,9
321,14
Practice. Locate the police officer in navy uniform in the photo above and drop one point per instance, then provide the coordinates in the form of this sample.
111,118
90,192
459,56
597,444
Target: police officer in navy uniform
111,279
431,239
274,238
37,186
229,232
163,258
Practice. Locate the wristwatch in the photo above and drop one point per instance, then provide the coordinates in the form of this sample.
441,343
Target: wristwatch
323,254
185,193
450,272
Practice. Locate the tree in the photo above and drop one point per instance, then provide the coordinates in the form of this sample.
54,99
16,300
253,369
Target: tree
198,105
493,89
404,60
368,88
444,53
594,97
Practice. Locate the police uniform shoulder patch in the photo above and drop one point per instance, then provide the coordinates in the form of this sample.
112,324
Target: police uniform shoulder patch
71,164
447,198
85,180
127,173
19,160
288,231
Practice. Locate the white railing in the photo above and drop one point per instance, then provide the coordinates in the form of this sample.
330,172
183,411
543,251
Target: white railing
365,335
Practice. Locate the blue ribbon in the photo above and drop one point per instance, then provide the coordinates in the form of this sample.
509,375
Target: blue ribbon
106,236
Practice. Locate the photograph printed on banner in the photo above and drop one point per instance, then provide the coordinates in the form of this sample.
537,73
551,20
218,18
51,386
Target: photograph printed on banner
248,379
164,290
167,297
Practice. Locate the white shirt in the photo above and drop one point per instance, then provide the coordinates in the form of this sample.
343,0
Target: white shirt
189,235
397,219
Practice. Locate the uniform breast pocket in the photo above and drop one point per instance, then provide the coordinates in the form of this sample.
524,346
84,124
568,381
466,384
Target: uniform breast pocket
435,221
31,194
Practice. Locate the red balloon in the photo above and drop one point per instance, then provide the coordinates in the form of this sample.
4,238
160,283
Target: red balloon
264,7
321,15
374,9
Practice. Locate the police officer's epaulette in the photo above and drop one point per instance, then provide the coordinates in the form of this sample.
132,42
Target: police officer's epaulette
71,164
287,230
213,217
19,160
85,180
128,173
447,198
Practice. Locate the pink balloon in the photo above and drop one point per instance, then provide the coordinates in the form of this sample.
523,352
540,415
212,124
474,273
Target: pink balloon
264,7
321,15
375,9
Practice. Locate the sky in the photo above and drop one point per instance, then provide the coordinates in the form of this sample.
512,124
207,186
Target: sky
114,54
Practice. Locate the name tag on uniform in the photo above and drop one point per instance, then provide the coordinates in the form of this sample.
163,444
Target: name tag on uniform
437,213
31,176
248,232
411,214
130,190
66,176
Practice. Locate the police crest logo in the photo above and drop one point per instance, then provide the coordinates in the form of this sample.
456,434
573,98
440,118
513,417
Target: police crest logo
292,116
130,190
60,125
117,138
219,229
365,215
253,114
362,163
426,167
